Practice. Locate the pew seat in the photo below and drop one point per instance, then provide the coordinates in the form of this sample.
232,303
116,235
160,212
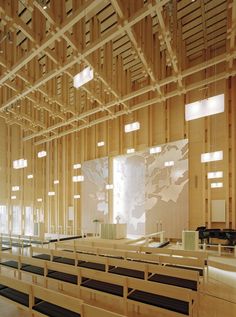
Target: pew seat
45,257
103,287
65,277
175,281
12,264
127,272
33,269
52,310
187,268
15,295
172,304
64,260
93,265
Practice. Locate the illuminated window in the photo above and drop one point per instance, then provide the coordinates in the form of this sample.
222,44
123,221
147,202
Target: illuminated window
3,219
15,188
29,221
42,154
216,185
21,163
30,176
130,151
16,220
76,196
203,108
156,149
101,143
51,193
79,178
211,175
132,127
76,166
212,156
169,163
83,77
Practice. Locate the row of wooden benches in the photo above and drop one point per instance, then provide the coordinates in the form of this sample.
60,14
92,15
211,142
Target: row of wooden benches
170,291
77,243
196,259
40,301
142,262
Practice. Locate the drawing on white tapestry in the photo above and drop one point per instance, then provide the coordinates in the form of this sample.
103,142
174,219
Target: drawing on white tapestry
150,194
95,197
167,189
129,192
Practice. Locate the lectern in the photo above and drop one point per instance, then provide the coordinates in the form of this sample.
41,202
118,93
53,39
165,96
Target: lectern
113,230
190,240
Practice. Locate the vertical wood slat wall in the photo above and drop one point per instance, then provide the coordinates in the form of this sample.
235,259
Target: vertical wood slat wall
160,123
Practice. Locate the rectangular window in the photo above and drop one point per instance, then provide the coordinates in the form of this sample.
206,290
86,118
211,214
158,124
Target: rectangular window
29,221
3,219
16,220
203,108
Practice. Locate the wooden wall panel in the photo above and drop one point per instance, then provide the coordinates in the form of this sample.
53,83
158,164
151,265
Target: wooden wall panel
142,134
176,119
196,180
113,136
159,123
3,161
158,120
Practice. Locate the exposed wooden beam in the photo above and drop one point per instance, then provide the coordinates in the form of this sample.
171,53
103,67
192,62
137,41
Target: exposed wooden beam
201,83
186,73
80,13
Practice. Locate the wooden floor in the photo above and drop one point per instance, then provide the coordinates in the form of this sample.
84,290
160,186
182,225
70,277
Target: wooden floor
217,296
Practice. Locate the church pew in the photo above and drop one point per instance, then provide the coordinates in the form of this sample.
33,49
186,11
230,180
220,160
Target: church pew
184,263
41,301
53,255
187,259
24,264
91,245
156,273
135,269
165,298
107,282
98,247
16,291
10,260
145,294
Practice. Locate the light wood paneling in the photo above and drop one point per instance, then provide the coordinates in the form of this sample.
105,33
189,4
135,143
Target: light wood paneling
149,59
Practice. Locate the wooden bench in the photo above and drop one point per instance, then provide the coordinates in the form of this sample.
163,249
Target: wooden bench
135,269
118,285
92,245
40,301
194,260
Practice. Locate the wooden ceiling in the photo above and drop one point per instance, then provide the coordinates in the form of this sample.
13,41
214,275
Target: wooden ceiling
142,52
